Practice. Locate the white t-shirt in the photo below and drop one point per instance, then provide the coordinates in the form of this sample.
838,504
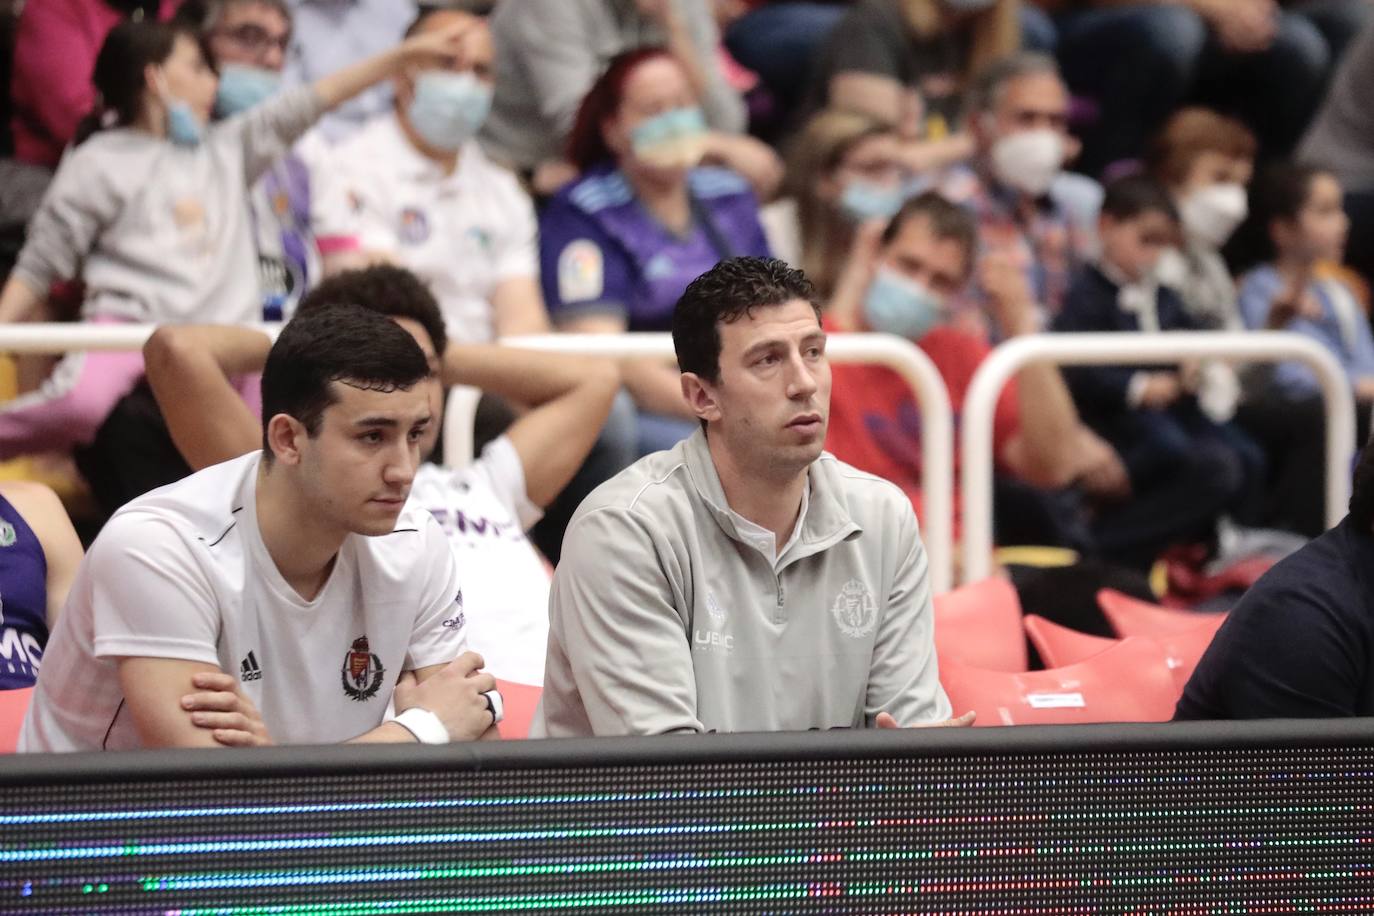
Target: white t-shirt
484,511
464,233
182,573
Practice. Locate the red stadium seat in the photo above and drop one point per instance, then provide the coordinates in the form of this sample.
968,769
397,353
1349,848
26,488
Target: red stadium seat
14,704
1184,635
980,625
520,701
1059,646
1133,617
1129,682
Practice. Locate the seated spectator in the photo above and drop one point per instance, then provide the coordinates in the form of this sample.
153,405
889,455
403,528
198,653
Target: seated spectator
619,245
1301,230
413,187
1028,208
485,508
289,595
55,47
1140,61
550,54
905,286
1205,160
150,212
844,170
908,63
758,583
1300,644
329,36
247,41
1172,450
1341,141
39,554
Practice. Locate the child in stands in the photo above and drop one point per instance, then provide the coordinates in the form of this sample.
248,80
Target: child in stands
1298,235
1151,415
150,213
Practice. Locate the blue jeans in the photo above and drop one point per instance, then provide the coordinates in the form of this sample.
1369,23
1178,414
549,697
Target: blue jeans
778,41
1142,62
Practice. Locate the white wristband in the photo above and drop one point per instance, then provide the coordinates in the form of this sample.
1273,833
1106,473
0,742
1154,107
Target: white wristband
497,707
424,725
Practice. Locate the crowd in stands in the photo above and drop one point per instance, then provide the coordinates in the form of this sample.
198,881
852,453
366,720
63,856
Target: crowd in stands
958,173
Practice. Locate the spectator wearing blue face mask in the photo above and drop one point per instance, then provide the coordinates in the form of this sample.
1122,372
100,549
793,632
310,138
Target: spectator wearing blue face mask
149,211
413,187
902,278
619,245
247,41
844,169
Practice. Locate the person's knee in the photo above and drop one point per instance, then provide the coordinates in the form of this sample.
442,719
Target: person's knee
1217,470
1172,40
1300,52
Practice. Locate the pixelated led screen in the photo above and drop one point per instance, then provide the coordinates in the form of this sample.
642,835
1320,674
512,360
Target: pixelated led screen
1179,832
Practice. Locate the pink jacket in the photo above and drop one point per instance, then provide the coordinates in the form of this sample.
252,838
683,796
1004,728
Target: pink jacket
56,44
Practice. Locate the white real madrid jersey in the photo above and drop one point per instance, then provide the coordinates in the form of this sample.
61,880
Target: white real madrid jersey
182,573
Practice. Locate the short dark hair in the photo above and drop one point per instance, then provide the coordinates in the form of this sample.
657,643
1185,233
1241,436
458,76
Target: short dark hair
385,289
340,343
732,288
947,220
1134,196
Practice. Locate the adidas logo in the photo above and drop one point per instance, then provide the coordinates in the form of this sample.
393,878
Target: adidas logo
248,668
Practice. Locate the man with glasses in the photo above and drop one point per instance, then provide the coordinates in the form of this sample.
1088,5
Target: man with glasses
1028,208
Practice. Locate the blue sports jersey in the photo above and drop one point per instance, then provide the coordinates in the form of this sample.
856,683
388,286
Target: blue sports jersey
23,600
602,252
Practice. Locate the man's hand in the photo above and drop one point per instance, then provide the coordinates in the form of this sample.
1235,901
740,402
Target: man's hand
229,716
885,720
1009,294
1241,26
1161,390
1294,300
1104,475
448,45
454,694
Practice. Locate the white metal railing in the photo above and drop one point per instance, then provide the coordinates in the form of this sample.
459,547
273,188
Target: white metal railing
937,423
1135,350
899,355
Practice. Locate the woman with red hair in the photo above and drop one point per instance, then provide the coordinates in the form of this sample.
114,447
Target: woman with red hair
620,244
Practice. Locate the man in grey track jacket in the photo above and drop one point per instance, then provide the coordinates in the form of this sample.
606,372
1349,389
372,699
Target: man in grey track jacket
743,580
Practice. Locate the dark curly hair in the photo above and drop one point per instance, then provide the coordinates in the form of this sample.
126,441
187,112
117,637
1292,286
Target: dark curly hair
385,289
732,288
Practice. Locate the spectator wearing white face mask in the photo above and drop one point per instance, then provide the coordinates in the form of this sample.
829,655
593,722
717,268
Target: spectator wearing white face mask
1205,160
1028,208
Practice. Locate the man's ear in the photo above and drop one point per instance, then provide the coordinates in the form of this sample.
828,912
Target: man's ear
700,396
285,437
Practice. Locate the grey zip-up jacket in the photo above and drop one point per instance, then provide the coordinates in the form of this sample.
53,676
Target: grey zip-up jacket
665,618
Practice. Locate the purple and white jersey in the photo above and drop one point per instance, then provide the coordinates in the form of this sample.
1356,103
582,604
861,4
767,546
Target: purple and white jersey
484,512
601,252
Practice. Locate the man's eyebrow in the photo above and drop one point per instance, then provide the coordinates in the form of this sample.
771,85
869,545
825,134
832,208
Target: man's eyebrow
762,345
370,422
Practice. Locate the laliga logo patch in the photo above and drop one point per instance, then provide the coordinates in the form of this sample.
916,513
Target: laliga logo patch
855,611
362,671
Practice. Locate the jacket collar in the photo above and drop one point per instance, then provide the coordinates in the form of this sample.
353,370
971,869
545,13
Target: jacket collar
827,520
